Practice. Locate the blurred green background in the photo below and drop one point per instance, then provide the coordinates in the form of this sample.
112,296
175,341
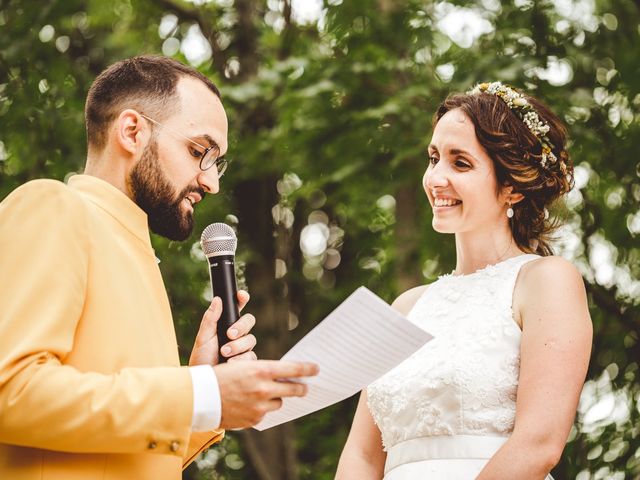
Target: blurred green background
330,107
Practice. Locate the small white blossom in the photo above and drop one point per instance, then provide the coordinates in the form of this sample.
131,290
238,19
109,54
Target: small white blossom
521,107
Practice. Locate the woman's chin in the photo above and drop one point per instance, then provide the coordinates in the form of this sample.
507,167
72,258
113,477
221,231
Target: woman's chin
441,226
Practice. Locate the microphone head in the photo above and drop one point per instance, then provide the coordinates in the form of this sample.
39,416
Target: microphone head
218,239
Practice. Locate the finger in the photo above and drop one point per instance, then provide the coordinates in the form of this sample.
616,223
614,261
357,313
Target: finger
209,324
242,326
243,299
288,389
244,357
242,345
273,404
280,369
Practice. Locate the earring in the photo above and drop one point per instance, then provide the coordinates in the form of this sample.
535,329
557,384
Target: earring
509,211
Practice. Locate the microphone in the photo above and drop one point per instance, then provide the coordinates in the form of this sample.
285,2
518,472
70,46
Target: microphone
219,243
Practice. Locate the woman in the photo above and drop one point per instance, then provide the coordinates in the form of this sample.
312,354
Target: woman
494,395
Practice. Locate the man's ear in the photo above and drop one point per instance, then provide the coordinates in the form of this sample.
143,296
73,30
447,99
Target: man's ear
509,196
131,134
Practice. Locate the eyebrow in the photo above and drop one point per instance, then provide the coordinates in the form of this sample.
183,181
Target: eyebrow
208,138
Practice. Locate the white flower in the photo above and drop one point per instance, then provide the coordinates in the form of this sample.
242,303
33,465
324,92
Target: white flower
519,104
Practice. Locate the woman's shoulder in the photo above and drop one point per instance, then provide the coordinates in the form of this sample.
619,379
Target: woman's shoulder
549,283
406,300
548,272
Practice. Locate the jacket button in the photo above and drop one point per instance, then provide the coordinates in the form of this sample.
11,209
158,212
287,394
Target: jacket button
152,445
175,445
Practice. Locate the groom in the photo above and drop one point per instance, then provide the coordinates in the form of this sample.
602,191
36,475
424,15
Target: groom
90,381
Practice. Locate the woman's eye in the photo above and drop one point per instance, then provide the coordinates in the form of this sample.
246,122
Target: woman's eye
195,152
462,164
433,160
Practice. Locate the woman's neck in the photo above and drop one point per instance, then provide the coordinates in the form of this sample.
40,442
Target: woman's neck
476,250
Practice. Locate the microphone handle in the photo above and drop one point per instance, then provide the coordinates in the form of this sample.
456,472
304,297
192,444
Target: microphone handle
223,282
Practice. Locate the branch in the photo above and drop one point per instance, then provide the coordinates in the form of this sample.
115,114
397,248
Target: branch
605,299
196,15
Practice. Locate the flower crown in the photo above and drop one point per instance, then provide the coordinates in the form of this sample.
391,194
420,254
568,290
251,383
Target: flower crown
525,111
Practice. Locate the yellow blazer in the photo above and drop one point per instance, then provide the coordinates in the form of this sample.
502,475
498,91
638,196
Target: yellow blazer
90,381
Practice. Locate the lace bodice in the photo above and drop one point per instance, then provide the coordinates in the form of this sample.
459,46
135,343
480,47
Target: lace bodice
464,381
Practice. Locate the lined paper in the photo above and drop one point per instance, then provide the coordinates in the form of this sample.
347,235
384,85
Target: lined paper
354,345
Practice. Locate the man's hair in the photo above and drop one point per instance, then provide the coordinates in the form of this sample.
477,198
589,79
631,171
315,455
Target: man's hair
145,83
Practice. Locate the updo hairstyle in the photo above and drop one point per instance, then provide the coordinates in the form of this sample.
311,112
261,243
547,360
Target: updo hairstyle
517,153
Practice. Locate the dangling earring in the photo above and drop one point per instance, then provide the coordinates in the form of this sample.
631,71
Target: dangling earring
509,211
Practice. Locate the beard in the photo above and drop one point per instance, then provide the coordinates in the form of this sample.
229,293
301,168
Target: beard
153,193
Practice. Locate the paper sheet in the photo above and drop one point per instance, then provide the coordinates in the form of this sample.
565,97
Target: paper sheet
356,344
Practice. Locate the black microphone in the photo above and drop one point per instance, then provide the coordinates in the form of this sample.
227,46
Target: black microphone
219,243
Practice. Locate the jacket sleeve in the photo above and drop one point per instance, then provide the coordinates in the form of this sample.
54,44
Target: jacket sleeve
44,258
199,442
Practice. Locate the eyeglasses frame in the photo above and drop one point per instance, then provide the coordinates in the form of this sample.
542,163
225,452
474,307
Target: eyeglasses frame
220,168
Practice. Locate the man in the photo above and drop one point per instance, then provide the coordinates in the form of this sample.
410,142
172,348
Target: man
90,382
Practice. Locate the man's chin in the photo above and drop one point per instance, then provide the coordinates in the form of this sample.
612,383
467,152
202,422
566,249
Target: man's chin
178,233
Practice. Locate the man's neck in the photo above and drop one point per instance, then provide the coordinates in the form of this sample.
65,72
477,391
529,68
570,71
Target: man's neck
107,167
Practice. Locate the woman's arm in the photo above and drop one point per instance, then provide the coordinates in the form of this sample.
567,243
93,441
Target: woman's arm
363,457
555,350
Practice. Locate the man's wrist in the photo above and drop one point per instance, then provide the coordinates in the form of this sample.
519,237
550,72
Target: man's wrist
207,407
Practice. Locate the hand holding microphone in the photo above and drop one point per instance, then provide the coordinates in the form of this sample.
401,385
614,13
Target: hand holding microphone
219,244
248,390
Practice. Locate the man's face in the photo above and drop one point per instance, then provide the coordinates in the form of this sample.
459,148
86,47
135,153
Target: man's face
158,198
167,182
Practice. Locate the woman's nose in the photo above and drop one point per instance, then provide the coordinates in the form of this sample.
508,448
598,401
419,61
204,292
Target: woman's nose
435,177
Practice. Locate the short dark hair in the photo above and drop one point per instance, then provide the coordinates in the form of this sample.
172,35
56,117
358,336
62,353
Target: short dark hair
516,155
146,83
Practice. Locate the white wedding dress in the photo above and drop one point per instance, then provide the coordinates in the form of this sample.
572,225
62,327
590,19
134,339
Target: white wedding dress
448,408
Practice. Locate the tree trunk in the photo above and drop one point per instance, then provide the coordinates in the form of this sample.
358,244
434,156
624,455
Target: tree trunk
407,239
272,453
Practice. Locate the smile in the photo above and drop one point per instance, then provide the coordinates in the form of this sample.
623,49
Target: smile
189,202
192,198
446,202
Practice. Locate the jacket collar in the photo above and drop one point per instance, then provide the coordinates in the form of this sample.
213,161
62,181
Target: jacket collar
115,203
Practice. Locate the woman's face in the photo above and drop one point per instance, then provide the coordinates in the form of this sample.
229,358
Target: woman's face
460,180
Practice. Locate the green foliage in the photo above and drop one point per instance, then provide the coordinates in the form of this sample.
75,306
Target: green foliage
328,127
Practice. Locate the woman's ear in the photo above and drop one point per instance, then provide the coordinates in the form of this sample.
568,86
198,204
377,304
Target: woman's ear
508,195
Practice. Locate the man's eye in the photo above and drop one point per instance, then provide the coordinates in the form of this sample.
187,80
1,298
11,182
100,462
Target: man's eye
195,152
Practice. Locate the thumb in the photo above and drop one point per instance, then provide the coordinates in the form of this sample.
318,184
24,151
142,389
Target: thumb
209,324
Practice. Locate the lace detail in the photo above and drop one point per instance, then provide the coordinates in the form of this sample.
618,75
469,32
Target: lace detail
464,381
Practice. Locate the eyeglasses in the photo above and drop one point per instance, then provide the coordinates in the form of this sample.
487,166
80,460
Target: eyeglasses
209,156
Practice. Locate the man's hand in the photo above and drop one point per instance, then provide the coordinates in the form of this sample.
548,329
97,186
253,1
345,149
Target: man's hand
249,390
205,348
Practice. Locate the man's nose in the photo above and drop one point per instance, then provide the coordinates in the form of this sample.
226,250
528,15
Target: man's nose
209,180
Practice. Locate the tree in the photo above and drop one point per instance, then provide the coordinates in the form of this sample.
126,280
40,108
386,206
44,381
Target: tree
329,123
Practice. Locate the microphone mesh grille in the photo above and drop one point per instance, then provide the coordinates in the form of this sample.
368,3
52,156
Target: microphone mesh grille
218,238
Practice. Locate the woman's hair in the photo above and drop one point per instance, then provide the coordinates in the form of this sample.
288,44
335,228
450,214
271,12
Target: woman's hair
517,154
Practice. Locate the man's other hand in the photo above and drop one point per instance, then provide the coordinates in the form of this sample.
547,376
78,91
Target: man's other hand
249,390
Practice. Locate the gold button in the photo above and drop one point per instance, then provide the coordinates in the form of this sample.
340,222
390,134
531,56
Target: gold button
152,445
174,446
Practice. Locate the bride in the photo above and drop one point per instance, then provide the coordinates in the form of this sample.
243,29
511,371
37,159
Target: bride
494,395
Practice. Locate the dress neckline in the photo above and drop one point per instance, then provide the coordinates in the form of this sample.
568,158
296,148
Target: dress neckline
490,266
